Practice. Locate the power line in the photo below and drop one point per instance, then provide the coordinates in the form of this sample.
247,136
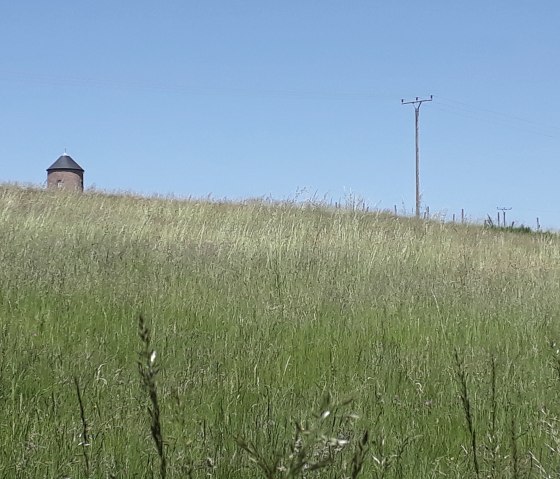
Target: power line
470,108
497,119
185,88
417,104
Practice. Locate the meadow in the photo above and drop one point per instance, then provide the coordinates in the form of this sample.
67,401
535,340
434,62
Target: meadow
291,340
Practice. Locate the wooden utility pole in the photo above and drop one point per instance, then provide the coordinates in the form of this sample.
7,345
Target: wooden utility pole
417,104
503,210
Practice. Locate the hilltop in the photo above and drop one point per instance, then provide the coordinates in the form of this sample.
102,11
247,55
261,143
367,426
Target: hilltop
258,312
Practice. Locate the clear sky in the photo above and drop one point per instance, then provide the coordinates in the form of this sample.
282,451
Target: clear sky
290,99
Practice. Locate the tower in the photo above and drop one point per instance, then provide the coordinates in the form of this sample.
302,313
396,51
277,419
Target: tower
66,174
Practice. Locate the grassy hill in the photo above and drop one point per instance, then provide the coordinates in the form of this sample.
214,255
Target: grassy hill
264,317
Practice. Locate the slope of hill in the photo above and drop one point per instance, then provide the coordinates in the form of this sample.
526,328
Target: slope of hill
443,336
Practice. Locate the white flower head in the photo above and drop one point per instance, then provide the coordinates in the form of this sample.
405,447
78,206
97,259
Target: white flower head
152,358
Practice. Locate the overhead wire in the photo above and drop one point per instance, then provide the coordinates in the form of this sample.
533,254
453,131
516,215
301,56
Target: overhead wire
499,114
76,81
496,118
441,103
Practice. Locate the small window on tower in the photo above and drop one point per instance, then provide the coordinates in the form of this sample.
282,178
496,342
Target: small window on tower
60,183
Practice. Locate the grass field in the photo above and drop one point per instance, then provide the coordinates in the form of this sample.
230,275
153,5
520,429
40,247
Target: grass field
441,341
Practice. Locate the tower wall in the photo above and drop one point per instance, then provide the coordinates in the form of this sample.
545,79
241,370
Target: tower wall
65,179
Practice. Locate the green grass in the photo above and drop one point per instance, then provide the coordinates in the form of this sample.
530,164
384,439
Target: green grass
258,312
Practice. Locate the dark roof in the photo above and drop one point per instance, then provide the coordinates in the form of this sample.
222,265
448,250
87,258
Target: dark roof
65,162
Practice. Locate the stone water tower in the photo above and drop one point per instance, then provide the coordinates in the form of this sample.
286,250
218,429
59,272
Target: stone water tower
66,174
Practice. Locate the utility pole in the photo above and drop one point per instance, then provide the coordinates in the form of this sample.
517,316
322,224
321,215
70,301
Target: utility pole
417,104
503,210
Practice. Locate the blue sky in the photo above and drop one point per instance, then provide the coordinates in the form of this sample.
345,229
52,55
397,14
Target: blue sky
293,99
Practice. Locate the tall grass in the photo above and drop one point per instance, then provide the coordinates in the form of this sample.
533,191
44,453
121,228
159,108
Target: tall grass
258,311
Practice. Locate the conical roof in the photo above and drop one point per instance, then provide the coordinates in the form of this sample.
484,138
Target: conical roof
65,162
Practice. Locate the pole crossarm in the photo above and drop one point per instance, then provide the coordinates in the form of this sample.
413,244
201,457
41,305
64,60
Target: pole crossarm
417,102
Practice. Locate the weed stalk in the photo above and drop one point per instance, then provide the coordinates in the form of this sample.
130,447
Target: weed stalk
359,456
85,436
462,379
148,372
